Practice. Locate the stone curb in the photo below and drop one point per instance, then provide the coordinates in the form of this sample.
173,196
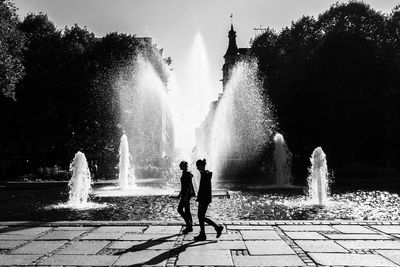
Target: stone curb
142,222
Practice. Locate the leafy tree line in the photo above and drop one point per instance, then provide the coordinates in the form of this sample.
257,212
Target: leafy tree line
61,97
335,82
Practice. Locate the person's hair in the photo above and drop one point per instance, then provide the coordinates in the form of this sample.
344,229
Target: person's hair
201,162
183,163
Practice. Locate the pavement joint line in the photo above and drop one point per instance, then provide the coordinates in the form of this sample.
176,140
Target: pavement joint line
173,256
298,250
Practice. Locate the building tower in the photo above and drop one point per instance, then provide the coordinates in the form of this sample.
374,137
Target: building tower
230,57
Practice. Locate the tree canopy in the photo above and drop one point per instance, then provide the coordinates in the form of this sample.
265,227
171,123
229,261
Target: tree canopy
11,48
67,100
334,81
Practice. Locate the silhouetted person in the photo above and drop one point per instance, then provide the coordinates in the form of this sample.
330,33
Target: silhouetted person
204,199
187,192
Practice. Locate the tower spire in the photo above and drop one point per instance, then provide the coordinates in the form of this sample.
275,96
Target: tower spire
232,47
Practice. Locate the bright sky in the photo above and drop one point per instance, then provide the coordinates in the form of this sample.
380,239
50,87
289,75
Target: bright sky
173,24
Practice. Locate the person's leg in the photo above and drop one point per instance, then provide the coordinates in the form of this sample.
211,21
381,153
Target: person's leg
218,228
203,211
188,213
188,218
201,214
210,222
181,211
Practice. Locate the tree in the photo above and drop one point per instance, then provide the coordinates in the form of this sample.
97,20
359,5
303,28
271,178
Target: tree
11,48
334,82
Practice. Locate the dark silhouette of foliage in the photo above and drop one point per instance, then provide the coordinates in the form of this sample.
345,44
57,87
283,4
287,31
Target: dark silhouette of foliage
334,82
67,100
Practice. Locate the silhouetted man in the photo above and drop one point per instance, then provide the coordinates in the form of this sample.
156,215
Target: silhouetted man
204,199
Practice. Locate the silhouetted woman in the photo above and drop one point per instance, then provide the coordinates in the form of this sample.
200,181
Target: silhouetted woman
204,199
187,192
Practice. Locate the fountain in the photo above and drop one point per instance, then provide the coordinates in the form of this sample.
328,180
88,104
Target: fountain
283,161
126,176
80,183
242,123
146,114
318,180
159,118
239,129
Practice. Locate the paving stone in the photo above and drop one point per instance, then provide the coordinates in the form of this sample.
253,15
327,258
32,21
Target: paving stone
249,227
84,247
319,246
103,236
268,247
305,235
208,229
61,235
270,260
143,257
74,228
264,235
214,245
366,244
141,245
350,259
81,260
32,231
393,255
7,260
38,247
205,258
227,236
389,229
118,229
357,236
311,228
162,229
9,244
159,237
353,229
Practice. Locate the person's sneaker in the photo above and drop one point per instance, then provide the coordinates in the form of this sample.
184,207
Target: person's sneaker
219,229
200,237
187,230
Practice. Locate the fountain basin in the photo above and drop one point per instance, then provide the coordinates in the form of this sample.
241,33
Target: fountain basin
244,204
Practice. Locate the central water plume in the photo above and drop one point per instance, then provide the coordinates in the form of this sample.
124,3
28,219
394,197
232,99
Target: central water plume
146,113
196,92
199,92
318,180
242,124
126,176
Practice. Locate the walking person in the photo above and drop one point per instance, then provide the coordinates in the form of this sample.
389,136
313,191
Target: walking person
186,193
204,199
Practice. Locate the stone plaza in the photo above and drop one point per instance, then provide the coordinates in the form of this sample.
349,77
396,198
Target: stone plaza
243,243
